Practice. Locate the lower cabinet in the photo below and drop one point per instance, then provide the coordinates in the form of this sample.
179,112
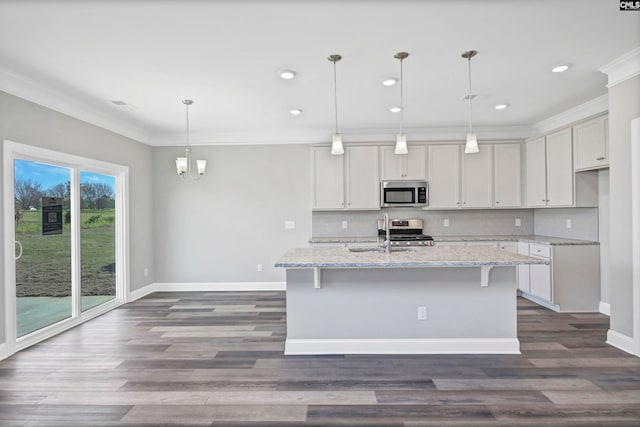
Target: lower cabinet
570,283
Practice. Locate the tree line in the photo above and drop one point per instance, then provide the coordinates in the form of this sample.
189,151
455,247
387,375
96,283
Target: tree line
93,195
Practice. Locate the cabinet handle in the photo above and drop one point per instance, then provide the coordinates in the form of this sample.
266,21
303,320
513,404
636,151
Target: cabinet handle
600,158
464,203
497,202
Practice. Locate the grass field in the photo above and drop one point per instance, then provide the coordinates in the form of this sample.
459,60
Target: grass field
45,267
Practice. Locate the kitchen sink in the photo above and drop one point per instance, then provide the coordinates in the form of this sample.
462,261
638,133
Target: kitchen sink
379,249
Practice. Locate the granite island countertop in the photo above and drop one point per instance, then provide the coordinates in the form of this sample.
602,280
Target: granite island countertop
434,256
529,238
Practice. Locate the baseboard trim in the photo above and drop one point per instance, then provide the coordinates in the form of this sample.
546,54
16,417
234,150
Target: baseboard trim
541,302
4,351
605,308
621,341
403,346
205,287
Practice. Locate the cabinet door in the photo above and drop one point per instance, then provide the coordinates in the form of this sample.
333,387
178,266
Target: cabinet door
590,144
508,246
477,178
362,178
507,183
536,183
391,164
541,281
415,163
444,176
328,179
523,270
560,169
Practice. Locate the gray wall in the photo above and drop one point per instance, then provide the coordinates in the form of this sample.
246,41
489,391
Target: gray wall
624,106
28,123
604,228
219,228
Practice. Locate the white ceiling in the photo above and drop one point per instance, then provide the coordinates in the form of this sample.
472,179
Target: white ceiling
77,56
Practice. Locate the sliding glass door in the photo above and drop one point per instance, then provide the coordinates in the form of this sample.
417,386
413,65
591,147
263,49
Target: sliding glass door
65,256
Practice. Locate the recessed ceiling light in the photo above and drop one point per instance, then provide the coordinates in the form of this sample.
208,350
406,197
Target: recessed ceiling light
287,74
389,81
560,68
295,112
501,106
395,109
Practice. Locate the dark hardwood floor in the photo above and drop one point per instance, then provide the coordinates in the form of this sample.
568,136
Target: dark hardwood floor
212,358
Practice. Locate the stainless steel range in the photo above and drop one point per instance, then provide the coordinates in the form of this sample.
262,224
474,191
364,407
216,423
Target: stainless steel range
405,232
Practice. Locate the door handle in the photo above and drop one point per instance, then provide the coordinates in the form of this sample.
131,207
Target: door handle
20,252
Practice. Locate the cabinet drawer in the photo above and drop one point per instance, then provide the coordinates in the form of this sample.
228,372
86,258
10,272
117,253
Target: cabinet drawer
539,251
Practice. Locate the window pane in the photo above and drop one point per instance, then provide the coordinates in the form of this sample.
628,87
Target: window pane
97,239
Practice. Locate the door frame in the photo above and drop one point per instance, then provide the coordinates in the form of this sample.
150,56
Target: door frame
14,150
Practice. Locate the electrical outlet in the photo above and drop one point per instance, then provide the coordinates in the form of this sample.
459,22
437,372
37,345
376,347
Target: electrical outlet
345,224
446,222
422,313
568,223
259,267
289,225
146,272
518,222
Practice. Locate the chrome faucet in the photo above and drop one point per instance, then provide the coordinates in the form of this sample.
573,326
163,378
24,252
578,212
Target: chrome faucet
387,241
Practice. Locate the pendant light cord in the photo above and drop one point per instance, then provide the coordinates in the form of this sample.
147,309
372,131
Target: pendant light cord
187,124
401,98
335,93
470,110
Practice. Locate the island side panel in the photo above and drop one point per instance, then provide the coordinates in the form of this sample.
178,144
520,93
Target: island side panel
382,304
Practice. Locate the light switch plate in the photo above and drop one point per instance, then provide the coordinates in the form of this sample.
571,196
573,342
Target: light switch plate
345,224
518,222
446,222
289,225
568,223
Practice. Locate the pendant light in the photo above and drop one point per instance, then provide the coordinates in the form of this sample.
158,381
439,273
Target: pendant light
401,138
183,164
472,141
336,143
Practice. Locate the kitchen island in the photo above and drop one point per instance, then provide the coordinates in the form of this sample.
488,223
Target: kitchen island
431,300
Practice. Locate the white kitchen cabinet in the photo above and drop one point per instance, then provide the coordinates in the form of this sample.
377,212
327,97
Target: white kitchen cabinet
444,176
560,169
362,180
507,188
550,170
348,181
477,178
411,166
570,283
523,270
591,144
327,179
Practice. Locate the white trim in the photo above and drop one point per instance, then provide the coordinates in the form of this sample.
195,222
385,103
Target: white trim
61,101
580,112
635,229
403,346
605,308
622,68
219,286
140,293
540,301
4,353
621,341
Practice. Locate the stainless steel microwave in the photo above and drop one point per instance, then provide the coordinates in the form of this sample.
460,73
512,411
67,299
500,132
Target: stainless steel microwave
404,194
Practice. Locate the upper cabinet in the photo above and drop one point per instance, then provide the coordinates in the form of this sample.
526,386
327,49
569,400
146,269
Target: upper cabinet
507,185
477,178
349,181
591,144
411,166
550,170
444,176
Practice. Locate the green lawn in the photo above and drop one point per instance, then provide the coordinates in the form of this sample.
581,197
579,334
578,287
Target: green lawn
43,273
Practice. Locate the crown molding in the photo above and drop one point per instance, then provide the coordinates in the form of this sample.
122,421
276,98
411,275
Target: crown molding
622,68
580,112
315,136
59,101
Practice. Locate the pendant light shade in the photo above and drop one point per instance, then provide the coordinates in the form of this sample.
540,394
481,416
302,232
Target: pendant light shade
336,143
401,138
472,142
183,164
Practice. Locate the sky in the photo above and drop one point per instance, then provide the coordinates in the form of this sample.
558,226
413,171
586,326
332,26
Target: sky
50,175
